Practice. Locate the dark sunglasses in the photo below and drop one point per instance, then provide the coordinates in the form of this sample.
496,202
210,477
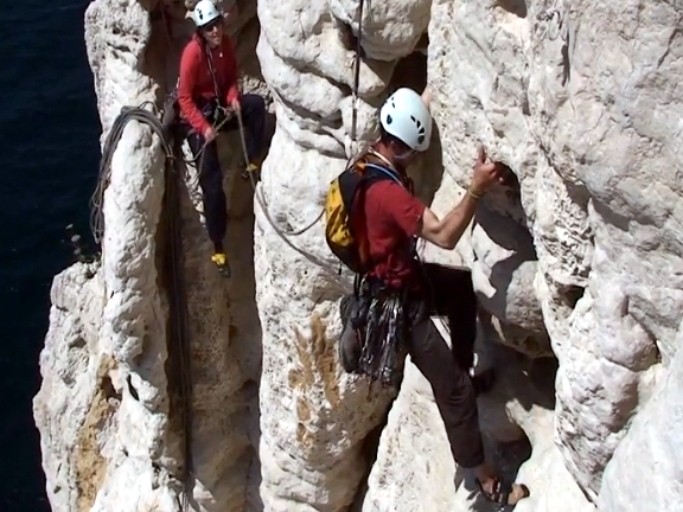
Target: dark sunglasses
210,26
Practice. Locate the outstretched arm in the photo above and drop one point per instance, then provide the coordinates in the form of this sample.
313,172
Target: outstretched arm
446,232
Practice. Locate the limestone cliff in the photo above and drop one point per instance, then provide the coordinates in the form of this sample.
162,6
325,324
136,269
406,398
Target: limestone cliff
575,260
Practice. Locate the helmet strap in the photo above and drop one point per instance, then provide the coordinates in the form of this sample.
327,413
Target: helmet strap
404,156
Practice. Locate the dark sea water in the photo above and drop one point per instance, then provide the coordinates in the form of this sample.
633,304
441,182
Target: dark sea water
49,142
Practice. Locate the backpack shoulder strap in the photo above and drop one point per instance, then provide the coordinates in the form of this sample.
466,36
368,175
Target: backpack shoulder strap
370,173
379,171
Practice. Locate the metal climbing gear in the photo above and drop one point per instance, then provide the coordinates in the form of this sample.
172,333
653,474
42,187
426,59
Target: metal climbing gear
382,319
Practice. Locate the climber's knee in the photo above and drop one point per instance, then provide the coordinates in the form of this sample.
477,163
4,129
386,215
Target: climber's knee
253,104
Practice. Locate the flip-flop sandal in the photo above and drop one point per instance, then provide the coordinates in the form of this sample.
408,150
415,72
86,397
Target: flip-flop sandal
505,493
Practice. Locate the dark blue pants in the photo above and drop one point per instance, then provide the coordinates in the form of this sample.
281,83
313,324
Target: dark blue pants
210,172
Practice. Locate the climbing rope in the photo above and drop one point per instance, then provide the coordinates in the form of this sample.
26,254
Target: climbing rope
127,114
258,192
150,118
286,233
179,351
356,75
179,336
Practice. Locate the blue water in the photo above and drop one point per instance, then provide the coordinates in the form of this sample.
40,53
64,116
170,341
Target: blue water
49,134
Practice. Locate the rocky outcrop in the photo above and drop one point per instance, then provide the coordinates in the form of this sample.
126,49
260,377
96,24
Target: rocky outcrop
575,260
567,105
115,392
653,441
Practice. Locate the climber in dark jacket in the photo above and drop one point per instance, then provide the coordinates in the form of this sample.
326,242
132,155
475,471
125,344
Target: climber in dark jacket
393,218
207,86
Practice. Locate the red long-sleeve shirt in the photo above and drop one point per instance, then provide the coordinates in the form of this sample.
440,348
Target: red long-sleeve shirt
195,79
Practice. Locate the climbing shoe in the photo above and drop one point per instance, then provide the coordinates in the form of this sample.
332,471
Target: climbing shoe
221,261
504,493
251,169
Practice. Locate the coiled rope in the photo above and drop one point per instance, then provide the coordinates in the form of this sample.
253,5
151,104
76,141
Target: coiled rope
145,116
178,332
104,176
179,342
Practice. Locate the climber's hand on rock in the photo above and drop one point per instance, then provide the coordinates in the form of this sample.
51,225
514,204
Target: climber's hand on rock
486,173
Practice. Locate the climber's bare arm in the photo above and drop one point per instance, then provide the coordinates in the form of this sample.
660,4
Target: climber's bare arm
447,231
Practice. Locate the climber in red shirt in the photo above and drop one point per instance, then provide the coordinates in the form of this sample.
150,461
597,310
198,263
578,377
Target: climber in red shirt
393,218
208,91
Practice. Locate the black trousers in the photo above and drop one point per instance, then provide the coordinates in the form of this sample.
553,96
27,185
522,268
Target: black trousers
450,293
210,172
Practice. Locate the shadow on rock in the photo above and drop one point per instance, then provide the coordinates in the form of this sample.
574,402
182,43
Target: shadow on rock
427,173
504,273
522,380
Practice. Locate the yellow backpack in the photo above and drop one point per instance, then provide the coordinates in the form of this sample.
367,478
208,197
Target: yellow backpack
348,244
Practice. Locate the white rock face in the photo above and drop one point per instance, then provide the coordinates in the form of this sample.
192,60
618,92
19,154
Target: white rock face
576,260
548,89
653,441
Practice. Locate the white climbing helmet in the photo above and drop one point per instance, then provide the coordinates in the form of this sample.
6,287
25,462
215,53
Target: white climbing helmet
204,13
405,116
